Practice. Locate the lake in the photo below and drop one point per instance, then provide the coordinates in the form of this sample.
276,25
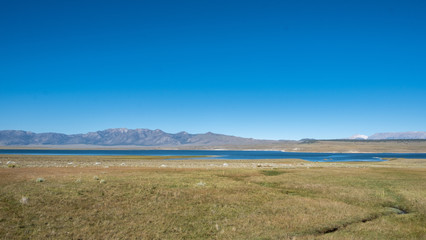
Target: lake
225,154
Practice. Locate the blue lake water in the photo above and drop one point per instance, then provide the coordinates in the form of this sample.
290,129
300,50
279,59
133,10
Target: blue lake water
229,155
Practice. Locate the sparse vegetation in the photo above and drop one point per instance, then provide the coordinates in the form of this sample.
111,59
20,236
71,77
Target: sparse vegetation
327,201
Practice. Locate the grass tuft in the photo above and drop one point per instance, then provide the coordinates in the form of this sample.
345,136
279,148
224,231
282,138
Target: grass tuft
39,180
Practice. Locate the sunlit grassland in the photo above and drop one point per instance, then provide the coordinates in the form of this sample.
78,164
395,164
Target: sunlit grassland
342,145
347,201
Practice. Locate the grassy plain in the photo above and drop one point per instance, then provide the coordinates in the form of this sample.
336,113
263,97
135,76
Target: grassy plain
341,146
344,146
156,198
374,146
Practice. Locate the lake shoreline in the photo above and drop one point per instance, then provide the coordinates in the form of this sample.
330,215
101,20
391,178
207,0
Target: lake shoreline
228,155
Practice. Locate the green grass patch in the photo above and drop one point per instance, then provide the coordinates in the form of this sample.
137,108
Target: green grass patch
272,172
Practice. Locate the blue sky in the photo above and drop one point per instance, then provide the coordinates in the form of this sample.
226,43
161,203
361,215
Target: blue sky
261,69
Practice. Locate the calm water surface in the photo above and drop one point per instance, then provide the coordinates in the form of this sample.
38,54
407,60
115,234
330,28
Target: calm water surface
230,155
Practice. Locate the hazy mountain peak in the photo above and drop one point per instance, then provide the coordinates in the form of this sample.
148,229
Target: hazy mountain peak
399,135
359,137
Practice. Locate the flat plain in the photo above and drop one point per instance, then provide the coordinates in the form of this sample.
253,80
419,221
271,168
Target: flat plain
308,145
137,197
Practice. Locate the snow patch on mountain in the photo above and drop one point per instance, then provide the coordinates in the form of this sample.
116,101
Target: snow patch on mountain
359,137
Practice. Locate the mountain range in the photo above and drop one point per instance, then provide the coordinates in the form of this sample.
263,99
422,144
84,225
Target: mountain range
147,137
398,135
390,136
124,136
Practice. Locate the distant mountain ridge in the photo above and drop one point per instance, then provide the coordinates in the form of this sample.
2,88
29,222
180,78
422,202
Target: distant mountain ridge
398,135
124,136
390,136
154,138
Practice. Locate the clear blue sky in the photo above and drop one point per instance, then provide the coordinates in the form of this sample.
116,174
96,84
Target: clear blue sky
261,69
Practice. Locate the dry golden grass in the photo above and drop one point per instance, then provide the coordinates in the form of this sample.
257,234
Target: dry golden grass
347,201
346,146
403,146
